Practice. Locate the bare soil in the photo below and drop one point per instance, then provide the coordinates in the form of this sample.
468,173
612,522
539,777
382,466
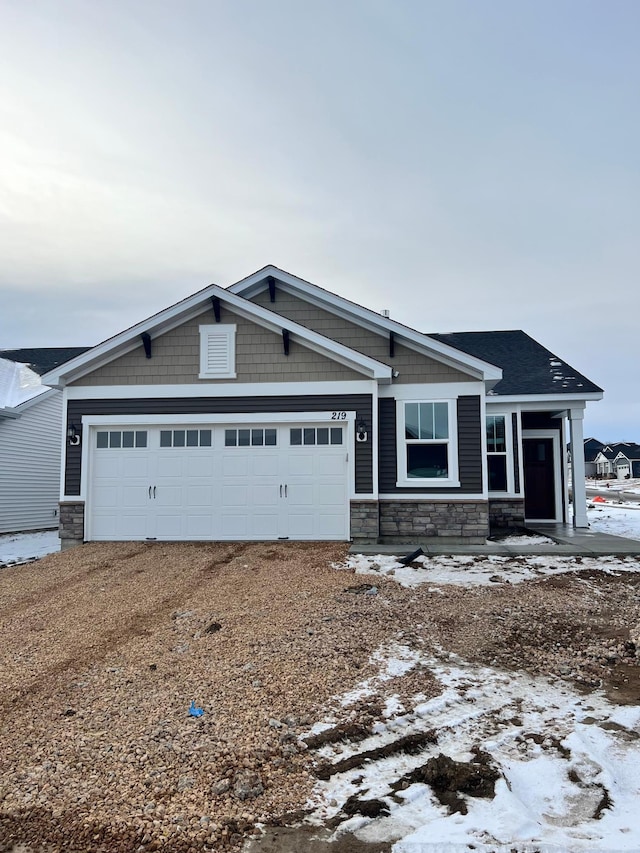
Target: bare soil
103,649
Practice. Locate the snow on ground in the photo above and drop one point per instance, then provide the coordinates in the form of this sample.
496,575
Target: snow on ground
632,485
22,547
477,571
568,766
617,519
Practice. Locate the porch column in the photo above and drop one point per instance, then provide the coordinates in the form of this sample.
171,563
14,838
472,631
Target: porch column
578,490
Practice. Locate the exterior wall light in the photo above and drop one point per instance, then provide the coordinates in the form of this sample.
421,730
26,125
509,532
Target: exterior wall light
361,430
74,435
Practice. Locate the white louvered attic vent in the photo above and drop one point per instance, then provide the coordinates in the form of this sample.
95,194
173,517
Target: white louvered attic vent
218,351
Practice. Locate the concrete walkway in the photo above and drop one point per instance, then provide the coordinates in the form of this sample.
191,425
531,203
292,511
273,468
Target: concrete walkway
566,541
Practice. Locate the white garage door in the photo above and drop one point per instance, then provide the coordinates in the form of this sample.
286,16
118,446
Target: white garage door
214,482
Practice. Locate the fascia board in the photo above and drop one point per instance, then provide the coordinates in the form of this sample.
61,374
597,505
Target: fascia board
368,319
7,412
38,398
561,401
197,304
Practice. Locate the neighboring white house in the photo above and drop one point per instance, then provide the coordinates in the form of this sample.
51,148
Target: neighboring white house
30,442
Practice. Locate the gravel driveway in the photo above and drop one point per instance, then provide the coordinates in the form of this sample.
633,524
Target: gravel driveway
105,647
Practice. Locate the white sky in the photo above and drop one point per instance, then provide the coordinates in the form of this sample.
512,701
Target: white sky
468,165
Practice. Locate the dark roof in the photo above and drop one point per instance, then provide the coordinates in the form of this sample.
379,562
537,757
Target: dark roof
630,450
591,448
44,358
527,366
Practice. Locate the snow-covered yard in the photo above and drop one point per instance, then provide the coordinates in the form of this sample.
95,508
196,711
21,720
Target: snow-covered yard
22,547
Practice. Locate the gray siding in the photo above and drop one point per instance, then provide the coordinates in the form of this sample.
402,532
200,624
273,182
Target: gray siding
469,448
30,467
175,359
411,366
360,403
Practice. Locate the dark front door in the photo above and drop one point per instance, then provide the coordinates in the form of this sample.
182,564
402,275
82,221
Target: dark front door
539,479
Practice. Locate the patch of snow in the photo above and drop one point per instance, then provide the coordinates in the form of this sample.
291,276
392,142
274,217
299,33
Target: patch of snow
22,547
565,782
472,571
616,519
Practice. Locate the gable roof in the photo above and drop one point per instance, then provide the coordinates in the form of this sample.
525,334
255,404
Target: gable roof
630,452
527,366
194,306
42,359
441,351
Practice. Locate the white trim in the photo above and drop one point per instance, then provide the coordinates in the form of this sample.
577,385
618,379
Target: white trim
366,318
508,435
177,314
538,402
214,389
223,418
63,443
374,438
557,480
404,482
415,390
421,496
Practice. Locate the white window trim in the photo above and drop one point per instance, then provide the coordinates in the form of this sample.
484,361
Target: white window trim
221,329
452,481
508,434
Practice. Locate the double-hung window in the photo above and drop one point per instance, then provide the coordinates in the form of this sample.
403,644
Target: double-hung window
427,443
497,453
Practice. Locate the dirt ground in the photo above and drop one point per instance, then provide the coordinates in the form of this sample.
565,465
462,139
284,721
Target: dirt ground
104,648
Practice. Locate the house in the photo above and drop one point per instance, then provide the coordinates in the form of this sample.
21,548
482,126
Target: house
591,449
606,457
30,439
275,409
627,462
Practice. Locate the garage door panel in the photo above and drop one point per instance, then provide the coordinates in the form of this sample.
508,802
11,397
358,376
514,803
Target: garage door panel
170,465
265,525
199,466
235,465
331,494
198,496
300,464
169,525
134,525
265,465
200,526
331,465
300,495
331,525
107,496
233,524
134,495
301,524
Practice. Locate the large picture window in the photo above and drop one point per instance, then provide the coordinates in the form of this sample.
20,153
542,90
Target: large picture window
427,448
497,453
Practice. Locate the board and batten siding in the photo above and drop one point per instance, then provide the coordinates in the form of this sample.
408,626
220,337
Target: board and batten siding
359,403
259,357
30,466
469,449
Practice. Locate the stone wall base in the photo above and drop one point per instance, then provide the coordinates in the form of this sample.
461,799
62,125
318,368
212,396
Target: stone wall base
365,522
465,522
71,529
505,514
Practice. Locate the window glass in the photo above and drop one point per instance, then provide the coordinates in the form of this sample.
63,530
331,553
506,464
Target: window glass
230,437
411,423
102,439
496,442
295,436
127,439
270,437
165,438
205,438
440,420
192,438
178,438
497,465
244,437
309,435
322,435
141,438
427,461
115,439
336,435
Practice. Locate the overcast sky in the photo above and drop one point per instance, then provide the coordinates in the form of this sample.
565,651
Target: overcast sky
467,164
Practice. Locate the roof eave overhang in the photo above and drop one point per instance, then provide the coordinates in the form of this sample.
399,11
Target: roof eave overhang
196,305
482,370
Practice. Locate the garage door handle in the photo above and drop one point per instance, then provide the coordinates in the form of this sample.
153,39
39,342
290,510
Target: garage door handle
281,490
154,493
285,491
149,492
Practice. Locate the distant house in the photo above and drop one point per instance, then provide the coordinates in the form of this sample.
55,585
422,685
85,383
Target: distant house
605,459
591,449
30,439
627,462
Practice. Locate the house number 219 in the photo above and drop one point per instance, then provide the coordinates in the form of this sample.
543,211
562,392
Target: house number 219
338,416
